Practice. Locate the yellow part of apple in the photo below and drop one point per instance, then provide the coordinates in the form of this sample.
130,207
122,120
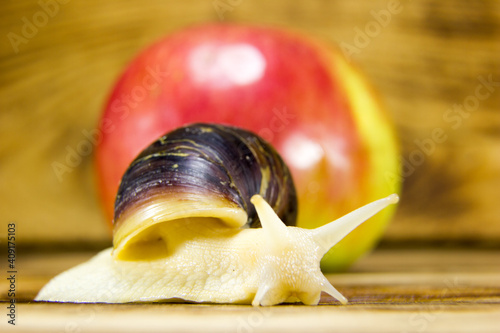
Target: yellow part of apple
378,136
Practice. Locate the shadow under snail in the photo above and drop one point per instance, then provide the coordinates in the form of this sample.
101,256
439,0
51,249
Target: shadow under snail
206,214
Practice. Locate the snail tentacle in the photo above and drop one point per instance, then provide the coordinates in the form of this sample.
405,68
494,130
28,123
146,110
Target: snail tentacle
332,291
272,225
330,234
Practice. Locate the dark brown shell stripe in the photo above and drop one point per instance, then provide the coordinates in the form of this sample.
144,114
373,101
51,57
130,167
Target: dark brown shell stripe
209,159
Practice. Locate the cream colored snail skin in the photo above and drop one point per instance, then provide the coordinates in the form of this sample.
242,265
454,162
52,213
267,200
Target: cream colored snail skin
187,227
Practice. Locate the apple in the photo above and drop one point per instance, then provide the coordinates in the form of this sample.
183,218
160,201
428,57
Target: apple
299,94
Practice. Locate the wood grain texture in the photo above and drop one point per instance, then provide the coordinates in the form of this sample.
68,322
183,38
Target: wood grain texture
388,291
429,56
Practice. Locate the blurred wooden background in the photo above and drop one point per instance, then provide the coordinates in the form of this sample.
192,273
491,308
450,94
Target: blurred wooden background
430,56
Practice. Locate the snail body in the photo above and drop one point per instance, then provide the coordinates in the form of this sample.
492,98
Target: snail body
199,217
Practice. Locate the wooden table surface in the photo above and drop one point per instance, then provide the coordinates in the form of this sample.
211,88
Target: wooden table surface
389,291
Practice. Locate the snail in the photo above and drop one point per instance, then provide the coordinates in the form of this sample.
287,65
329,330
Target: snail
206,214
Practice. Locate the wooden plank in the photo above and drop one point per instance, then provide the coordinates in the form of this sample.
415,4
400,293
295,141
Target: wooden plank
230,318
388,291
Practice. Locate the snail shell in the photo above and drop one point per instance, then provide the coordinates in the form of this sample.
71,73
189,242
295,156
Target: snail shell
184,218
200,170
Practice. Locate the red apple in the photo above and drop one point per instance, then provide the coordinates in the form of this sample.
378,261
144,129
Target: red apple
297,93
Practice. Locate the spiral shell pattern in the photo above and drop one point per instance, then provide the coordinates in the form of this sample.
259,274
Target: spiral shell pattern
202,170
